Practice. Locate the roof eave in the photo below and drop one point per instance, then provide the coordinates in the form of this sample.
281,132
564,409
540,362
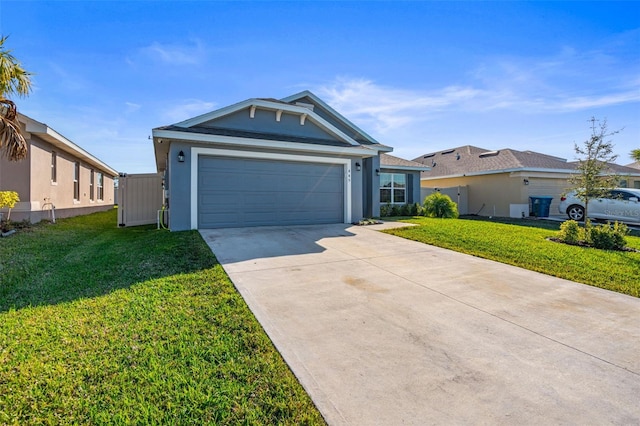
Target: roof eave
159,136
59,141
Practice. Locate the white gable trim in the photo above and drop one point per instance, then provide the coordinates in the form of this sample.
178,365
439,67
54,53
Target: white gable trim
196,152
273,106
360,150
324,105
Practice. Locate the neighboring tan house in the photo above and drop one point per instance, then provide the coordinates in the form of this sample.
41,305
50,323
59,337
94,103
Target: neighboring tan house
275,162
499,183
57,173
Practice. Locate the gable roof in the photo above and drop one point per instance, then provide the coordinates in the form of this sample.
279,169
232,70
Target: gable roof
341,133
272,105
391,162
470,160
359,135
51,136
635,165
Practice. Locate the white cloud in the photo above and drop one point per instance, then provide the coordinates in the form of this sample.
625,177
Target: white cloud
132,107
177,54
388,108
187,108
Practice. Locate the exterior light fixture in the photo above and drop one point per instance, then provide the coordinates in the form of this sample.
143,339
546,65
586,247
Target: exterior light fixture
358,167
526,181
181,157
377,172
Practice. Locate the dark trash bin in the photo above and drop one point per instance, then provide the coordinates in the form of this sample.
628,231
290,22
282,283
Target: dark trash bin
539,206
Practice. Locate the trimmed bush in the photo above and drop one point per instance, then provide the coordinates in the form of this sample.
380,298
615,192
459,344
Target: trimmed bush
609,236
571,232
440,205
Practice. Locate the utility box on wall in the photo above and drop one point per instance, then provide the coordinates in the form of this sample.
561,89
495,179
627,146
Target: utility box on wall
140,197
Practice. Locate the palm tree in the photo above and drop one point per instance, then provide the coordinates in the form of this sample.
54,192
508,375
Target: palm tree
635,154
14,80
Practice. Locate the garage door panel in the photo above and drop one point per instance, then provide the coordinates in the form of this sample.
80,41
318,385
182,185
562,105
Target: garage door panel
248,192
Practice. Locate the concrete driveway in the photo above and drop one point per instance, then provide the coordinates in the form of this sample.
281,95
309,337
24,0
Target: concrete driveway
385,331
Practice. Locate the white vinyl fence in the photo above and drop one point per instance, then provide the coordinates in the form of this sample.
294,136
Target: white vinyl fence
139,199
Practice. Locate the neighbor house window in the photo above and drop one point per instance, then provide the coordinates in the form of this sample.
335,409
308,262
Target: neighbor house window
76,181
54,167
636,184
100,187
623,183
393,188
91,180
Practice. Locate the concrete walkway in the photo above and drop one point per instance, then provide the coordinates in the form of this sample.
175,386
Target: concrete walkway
385,331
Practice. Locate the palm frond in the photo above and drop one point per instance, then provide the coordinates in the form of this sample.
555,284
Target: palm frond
12,143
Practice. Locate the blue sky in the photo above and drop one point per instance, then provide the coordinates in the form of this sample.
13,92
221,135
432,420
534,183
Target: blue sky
419,76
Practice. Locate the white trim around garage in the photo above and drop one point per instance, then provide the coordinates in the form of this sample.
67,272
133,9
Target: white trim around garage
197,151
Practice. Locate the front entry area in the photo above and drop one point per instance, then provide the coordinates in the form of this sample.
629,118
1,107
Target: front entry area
240,192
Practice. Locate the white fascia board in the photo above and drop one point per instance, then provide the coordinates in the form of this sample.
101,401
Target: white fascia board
331,110
197,151
273,106
358,151
48,134
409,168
494,172
214,114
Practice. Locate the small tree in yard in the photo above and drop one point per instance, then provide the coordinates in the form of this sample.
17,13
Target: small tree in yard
635,154
594,178
8,199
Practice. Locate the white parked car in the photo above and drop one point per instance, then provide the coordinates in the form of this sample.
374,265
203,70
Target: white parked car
621,204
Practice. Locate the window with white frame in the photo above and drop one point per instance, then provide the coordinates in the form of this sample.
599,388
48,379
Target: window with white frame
54,167
76,181
91,184
393,188
100,187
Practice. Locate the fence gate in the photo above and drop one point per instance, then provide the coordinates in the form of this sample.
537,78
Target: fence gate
458,194
139,198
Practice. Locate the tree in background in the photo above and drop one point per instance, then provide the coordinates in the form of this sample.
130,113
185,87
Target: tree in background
635,154
595,179
14,80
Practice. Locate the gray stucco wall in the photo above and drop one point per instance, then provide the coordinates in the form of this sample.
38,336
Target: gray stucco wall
179,186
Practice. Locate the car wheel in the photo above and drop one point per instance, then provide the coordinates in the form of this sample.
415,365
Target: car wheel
576,212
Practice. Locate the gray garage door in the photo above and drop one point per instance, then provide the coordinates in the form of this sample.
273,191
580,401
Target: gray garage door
235,192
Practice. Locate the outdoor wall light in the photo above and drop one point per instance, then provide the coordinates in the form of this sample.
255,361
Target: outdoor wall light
181,157
358,167
377,172
526,181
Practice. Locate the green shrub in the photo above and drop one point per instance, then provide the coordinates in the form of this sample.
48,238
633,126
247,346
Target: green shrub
395,211
413,209
405,210
571,232
607,236
440,205
385,210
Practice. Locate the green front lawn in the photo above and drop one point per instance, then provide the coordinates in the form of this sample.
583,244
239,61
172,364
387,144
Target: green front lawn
524,243
135,325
